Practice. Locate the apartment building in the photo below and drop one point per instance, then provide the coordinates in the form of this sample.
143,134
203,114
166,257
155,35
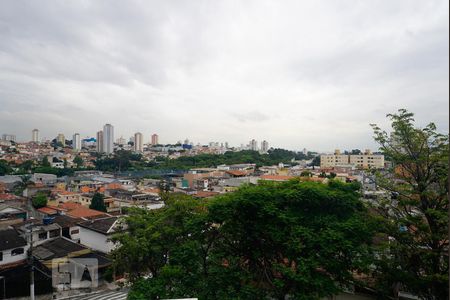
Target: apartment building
366,160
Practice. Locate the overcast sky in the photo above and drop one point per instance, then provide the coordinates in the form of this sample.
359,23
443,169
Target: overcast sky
297,73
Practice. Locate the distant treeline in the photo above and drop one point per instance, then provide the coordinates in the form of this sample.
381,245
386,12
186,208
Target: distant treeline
125,160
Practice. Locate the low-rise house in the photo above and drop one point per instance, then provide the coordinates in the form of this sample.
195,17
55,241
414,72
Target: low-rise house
69,227
10,215
13,248
96,234
65,250
46,179
41,232
65,196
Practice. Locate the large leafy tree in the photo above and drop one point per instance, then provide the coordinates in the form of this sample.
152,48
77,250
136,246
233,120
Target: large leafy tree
5,168
415,214
98,202
297,239
78,161
40,200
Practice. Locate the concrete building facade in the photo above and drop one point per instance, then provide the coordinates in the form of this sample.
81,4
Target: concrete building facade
76,142
366,160
138,142
155,139
108,138
100,141
35,136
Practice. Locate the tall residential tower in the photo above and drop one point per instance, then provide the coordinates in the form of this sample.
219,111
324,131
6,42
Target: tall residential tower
100,141
138,145
155,139
76,142
35,136
108,139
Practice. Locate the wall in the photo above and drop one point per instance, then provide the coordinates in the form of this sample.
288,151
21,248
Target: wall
95,240
7,258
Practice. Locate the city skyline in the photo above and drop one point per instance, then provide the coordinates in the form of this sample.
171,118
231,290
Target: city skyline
309,74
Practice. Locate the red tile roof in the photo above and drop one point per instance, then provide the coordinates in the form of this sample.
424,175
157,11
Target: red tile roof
8,197
84,212
236,173
47,210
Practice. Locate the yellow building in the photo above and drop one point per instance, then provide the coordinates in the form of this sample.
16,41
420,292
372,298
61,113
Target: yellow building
366,160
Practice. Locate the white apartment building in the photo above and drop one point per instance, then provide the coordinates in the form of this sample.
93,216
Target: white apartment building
76,142
264,146
61,139
138,142
9,137
108,139
100,141
35,136
253,145
366,160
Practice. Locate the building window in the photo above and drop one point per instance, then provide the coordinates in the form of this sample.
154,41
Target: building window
54,233
42,236
1,256
17,251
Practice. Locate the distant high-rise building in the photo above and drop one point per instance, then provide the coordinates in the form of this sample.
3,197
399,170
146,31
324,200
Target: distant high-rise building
305,152
264,146
121,141
9,137
186,141
227,146
138,145
155,139
35,136
61,139
76,142
108,138
253,145
100,142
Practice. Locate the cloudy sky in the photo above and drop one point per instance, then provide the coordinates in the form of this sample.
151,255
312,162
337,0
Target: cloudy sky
297,73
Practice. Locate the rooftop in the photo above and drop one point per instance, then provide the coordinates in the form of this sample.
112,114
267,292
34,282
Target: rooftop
104,225
10,239
59,247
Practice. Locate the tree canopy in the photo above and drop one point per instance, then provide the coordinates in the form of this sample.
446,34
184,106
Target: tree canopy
40,200
98,202
298,239
415,213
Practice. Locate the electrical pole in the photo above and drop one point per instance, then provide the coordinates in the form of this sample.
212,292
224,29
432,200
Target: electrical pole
31,264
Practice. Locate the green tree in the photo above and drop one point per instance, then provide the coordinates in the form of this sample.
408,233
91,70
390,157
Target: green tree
416,219
78,161
40,200
5,168
45,163
273,240
305,174
26,166
98,202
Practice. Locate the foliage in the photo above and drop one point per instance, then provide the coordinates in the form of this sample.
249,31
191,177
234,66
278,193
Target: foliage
121,160
316,161
5,168
274,240
78,161
40,200
45,163
416,217
98,202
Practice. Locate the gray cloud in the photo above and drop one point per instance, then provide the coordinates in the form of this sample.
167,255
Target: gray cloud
298,73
